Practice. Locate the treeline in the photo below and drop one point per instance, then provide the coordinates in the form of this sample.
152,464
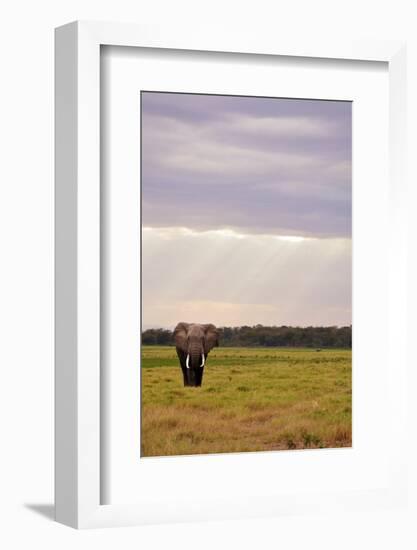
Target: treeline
260,336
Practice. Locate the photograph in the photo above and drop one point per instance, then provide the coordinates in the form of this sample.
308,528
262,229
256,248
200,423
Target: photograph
246,273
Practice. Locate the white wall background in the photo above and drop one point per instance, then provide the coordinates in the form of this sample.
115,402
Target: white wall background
26,272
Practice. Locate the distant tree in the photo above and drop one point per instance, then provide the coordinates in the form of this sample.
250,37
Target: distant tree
261,336
157,337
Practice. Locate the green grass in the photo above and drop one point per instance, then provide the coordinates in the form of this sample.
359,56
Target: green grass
252,399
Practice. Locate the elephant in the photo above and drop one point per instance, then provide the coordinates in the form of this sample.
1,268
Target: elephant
193,343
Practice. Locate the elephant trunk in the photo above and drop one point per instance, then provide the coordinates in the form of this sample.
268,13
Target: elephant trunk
196,356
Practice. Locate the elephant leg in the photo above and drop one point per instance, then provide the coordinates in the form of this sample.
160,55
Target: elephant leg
184,375
183,358
199,376
201,372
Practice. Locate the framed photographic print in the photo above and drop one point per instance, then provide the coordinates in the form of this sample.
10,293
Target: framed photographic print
229,335
248,200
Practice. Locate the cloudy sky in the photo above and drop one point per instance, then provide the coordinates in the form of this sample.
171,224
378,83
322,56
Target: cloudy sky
246,210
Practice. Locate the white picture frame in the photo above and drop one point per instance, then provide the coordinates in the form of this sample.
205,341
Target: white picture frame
78,321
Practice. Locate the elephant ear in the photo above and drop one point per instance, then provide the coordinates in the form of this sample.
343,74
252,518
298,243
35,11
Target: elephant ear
180,336
211,337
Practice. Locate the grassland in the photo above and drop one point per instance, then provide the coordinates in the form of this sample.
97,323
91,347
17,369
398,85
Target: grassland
252,399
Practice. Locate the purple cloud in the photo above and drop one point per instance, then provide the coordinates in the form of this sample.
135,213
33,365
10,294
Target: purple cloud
256,165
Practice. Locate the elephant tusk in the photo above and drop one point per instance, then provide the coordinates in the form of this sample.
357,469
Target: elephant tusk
202,364
187,363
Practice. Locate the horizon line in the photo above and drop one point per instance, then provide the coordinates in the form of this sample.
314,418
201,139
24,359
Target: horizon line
256,326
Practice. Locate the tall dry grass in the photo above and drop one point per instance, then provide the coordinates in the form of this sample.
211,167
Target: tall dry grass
252,399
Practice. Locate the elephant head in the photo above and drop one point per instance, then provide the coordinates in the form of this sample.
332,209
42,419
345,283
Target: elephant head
193,343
